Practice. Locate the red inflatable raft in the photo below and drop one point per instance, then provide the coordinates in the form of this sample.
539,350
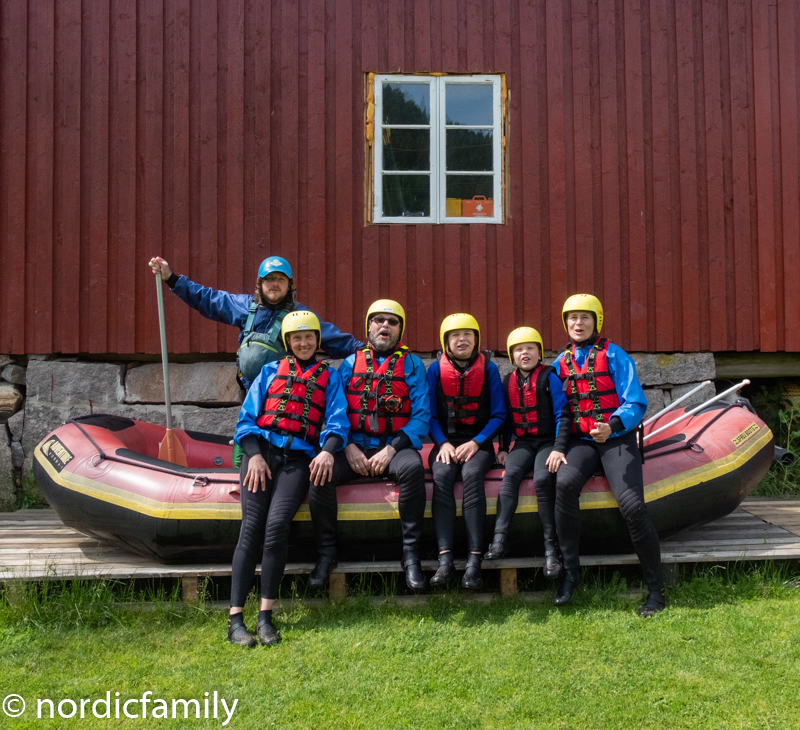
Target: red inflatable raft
102,476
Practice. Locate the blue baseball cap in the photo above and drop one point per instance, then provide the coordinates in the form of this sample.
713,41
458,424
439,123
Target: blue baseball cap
272,264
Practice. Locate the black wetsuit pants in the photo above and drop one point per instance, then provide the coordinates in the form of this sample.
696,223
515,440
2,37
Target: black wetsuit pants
473,506
405,469
266,517
622,464
526,454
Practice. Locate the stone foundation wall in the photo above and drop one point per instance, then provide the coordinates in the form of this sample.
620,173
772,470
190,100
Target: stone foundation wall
38,394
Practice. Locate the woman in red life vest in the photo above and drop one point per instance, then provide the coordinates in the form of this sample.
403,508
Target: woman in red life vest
293,419
605,405
534,399
467,412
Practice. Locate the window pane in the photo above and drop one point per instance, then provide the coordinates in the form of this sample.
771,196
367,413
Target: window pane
469,104
461,192
406,195
469,149
406,149
406,103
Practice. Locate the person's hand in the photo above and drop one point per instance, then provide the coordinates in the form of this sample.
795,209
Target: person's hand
358,462
601,432
466,451
159,266
257,474
380,461
447,453
321,468
501,457
555,460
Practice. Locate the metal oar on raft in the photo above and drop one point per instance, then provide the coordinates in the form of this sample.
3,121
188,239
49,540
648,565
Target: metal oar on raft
689,414
170,448
676,403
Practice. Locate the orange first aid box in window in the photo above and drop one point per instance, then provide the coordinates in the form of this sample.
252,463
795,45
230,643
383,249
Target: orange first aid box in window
478,207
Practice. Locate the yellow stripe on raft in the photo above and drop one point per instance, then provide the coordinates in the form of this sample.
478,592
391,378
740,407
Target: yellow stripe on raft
385,510
137,502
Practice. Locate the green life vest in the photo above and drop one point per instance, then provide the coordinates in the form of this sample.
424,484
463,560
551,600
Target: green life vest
259,348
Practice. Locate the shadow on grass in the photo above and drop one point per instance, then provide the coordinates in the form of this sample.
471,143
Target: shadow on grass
90,604
697,587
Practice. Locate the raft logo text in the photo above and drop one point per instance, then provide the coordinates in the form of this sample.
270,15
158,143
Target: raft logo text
57,454
746,434
210,706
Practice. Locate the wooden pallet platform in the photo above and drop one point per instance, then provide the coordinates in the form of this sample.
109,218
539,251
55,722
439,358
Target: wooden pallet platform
35,545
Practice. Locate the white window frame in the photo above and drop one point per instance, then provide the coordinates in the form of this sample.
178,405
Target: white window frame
438,149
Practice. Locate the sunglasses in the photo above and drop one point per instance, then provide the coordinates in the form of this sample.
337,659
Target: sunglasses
391,321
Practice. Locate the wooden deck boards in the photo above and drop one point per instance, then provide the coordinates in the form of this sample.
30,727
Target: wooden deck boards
35,545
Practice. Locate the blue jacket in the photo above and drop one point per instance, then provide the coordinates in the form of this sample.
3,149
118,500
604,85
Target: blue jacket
418,424
497,409
633,404
335,412
220,306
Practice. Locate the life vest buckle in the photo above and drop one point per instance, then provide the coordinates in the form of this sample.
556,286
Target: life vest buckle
390,403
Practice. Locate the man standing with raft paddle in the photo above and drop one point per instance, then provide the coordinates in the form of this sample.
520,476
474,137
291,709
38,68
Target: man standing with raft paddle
258,317
605,403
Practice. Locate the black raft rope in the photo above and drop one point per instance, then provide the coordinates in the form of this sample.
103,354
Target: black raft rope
200,480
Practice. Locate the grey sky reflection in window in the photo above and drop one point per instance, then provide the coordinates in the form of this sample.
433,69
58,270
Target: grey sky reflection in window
469,104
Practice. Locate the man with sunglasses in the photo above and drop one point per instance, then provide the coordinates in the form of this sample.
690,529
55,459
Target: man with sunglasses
389,412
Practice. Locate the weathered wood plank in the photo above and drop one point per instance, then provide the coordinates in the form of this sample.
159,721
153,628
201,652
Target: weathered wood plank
57,552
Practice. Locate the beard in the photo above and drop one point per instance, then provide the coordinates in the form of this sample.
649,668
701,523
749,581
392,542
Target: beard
388,347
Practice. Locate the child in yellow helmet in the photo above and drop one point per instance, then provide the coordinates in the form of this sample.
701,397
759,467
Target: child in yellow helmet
534,400
467,412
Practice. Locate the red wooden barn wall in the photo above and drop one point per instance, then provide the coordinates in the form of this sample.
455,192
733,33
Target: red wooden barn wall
653,161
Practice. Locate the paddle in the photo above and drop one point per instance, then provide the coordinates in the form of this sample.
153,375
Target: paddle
170,448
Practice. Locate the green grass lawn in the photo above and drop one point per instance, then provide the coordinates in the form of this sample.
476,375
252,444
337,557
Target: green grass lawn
725,654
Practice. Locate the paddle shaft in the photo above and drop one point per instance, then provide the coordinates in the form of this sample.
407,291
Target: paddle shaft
676,403
164,360
688,414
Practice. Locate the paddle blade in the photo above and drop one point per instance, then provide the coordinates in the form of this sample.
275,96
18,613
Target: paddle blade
171,450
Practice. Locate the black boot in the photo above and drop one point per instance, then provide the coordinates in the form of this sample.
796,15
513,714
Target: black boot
267,634
237,632
656,601
415,578
649,552
552,557
499,547
322,572
472,579
571,575
552,564
446,571
570,581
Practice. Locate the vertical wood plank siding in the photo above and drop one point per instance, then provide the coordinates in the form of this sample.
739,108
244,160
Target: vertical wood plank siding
653,152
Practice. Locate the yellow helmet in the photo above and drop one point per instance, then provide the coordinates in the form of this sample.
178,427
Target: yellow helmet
299,321
523,334
583,303
459,322
390,306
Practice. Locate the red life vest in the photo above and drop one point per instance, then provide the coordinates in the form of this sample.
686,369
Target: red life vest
295,401
531,402
463,396
591,392
378,402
